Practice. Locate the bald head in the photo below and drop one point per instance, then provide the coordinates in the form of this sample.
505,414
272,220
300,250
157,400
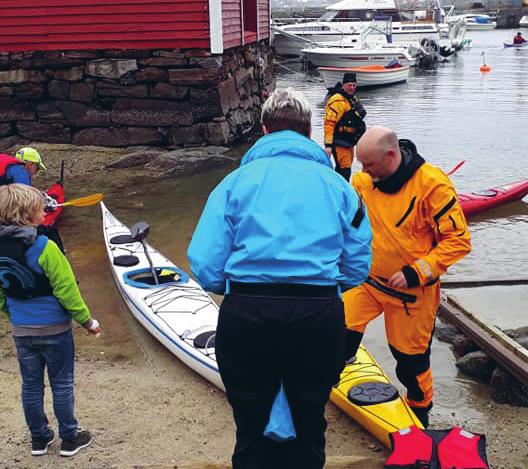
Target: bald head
378,152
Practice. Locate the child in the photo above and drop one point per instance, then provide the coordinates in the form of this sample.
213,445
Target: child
39,292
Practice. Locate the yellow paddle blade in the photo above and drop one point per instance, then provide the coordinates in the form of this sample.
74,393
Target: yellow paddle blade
84,201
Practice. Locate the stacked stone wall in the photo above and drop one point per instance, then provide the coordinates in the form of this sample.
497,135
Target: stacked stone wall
133,97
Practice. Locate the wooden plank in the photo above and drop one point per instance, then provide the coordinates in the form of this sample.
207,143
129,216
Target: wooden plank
503,349
483,283
184,15
75,3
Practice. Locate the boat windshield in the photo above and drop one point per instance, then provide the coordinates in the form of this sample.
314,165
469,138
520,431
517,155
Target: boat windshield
362,15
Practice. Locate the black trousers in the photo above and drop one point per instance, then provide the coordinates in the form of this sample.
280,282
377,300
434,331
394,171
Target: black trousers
262,340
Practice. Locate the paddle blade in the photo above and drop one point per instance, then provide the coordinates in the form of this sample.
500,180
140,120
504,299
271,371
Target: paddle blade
84,201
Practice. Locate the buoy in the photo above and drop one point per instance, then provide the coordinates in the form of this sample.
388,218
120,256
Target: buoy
484,68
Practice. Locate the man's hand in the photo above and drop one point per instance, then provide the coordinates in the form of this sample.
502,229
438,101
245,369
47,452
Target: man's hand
328,151
50,204
397,280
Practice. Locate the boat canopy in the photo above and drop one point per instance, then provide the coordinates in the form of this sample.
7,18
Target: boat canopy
362,5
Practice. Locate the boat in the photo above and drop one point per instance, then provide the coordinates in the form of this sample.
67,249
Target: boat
367,77
523,22
524,45
365,393
474,21
182,316
349,18
337,56
177,311
479,201
56,191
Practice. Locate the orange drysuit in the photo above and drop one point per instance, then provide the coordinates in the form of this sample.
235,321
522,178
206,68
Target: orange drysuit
419,228
343,126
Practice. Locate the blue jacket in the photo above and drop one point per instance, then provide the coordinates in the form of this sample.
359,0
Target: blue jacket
18,174
284,216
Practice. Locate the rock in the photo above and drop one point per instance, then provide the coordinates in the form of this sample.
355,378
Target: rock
110,68
6,129
151,112
463,345
477,365
117,137
152,74
11,141
515,333
164,62
124,91
522,341
195,134
83,92
52,133
218,133
168,91
507,389
136,158
14,76
446,332
194,76
58,89
71,74
184,162
11,111
29,91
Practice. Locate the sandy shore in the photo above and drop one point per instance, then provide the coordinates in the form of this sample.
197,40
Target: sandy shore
148,410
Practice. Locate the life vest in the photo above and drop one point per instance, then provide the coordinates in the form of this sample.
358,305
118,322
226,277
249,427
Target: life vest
17,279
5,162
412,449
350,127
442,449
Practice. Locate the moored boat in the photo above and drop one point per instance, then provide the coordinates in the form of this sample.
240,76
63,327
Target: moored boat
479,201
367,76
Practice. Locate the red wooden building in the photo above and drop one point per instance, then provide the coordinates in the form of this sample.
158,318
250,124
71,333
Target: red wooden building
215,25
133,72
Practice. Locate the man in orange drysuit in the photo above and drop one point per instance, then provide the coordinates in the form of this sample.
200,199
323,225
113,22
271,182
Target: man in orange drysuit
419,230
343,124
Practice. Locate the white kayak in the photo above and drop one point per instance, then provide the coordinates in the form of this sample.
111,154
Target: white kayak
178,312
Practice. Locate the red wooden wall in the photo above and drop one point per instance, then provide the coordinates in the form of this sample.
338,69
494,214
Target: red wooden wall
232,21
103,24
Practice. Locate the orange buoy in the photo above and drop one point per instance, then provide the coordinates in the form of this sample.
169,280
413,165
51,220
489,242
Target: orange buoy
484,68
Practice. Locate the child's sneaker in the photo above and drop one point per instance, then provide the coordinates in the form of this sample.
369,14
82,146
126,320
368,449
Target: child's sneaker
39,446
72,446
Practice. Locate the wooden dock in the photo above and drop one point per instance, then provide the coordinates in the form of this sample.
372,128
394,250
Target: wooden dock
504,350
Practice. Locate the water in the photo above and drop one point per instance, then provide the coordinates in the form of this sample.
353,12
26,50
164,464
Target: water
457,113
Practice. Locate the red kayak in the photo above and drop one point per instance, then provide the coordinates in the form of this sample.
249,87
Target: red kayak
479,201
57,192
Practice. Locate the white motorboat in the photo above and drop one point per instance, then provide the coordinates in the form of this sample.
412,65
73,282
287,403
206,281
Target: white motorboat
475,22
358,56
350,18
523,22
367,77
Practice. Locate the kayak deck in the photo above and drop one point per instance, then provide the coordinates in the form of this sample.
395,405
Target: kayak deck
477,202
57,192
357,384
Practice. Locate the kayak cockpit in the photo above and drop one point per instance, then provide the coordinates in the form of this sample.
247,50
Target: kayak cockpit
143,278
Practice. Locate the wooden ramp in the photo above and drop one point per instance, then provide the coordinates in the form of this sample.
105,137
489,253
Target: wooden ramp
504,350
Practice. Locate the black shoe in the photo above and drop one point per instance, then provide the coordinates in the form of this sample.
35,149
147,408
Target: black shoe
423,415
39,446
72,446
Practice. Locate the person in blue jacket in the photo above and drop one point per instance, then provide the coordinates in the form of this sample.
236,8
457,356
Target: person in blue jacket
282,236
19,170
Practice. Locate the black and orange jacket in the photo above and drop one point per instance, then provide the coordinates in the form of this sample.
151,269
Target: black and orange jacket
343,121
417,222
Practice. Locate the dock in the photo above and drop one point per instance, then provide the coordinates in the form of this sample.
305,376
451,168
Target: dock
504,350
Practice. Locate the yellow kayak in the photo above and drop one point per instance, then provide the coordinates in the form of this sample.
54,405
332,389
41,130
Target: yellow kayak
366,394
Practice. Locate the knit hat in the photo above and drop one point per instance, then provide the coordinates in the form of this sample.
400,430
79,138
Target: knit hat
349,77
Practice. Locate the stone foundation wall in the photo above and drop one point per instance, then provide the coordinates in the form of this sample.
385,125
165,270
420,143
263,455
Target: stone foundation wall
120,98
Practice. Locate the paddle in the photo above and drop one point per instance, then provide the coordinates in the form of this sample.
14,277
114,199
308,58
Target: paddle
483,283
455,169
83,201
139,232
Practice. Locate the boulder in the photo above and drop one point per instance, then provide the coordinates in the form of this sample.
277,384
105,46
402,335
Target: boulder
110,68
507,389
446,332
477,365
463,345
